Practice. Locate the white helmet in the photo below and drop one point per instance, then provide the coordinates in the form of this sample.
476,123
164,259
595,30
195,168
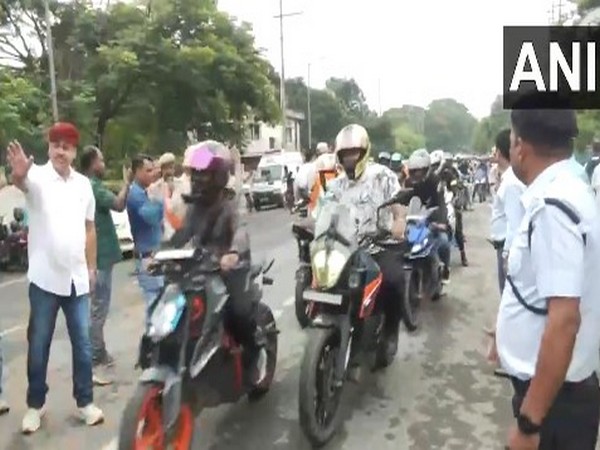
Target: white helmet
322,147
419,159
326,162
437,156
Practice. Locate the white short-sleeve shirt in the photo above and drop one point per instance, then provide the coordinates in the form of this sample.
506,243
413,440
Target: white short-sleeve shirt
557,264
58,209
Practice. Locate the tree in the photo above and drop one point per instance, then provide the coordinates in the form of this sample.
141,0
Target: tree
448,125
406,140
351,97
484,134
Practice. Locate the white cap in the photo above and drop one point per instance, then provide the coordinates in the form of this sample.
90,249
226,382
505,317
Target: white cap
166,158
322,147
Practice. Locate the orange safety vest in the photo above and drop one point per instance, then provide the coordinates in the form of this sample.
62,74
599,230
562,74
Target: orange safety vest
315,192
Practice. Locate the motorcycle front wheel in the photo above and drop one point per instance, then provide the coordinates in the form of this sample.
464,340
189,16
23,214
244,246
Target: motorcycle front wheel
319,396
303,277
142,422
411,300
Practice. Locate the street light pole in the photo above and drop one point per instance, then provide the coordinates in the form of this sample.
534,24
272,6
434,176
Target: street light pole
282,102
308,111
51,62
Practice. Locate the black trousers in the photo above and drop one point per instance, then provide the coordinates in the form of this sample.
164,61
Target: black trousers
459,234
572,422
392,289
241,307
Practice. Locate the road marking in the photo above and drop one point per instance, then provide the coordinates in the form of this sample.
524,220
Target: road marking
289,302
11,282
112,445
12,330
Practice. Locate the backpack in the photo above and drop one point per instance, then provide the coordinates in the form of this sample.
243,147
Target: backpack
572,215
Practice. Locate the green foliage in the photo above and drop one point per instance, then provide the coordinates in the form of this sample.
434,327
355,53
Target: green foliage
486,130
448,125
134,78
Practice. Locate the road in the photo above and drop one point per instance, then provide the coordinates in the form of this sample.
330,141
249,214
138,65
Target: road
438,394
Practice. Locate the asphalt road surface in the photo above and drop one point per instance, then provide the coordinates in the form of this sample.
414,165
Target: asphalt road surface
438,394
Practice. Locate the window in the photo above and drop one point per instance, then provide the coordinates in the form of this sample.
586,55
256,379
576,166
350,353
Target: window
289,135
271,143
255,131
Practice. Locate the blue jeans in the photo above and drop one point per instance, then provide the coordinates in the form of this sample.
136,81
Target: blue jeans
42,320
99,312
150,285
443,247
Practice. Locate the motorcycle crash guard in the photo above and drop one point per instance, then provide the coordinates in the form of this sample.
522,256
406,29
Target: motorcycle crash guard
171,392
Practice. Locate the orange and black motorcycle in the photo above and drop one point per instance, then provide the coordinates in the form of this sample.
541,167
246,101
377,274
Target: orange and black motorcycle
346,322
190,360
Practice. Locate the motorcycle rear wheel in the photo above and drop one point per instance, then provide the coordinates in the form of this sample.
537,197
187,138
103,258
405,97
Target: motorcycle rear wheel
142,424
319,397
266,321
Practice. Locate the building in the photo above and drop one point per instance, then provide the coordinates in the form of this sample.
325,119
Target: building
263,137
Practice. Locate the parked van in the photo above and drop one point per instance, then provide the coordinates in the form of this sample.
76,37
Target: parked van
269,184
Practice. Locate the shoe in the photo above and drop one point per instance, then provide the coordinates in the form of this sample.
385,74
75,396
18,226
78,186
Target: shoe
445,275
4,408
100,377
261,367
91,415
32,420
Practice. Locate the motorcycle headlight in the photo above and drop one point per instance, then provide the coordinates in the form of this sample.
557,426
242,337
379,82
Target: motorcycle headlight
167,313
327,267
417,248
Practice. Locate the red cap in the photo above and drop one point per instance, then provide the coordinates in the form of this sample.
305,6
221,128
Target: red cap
64,131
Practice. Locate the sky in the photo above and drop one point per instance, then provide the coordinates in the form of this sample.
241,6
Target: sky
399,51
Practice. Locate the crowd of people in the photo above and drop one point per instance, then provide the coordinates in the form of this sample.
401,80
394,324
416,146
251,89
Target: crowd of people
544,229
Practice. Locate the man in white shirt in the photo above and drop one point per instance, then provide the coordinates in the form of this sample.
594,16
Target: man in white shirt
62,267
507,210
548,336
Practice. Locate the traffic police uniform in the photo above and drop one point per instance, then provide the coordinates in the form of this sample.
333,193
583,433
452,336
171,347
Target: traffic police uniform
555,253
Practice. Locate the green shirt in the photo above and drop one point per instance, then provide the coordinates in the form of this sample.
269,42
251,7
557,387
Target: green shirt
109,251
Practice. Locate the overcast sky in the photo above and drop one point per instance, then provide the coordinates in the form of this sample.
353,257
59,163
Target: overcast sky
410,51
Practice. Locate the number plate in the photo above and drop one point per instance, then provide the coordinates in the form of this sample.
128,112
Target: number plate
323,297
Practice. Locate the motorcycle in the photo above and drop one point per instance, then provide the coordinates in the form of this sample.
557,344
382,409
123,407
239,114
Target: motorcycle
14,242
303,231
422,265
346,323
190,360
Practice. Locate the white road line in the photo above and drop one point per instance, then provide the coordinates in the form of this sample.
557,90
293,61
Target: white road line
112,445
289,302
11,282
12,330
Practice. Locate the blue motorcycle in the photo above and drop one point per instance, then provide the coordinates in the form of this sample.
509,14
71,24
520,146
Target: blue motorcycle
422,265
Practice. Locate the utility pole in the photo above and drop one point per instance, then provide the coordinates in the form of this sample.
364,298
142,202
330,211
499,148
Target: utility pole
308,112
282,102
50,46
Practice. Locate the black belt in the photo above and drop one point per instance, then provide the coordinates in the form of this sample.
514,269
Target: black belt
142,255
521,386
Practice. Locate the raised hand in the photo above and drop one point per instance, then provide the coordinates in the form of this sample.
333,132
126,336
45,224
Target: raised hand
19,162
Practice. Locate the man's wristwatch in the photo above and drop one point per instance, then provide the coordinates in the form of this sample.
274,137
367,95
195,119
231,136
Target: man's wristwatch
526,426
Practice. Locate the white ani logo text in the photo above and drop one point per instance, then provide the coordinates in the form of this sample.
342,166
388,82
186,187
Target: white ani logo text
557,60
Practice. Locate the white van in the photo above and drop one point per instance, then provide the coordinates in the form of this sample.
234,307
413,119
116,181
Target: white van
268,184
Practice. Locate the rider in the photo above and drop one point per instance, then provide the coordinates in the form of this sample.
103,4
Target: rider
397,167
305,178
384,158
326,169
427,187
365,186
450,176
213,223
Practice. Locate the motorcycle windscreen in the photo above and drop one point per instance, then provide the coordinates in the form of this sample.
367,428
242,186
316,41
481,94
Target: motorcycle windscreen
339,216
167,313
